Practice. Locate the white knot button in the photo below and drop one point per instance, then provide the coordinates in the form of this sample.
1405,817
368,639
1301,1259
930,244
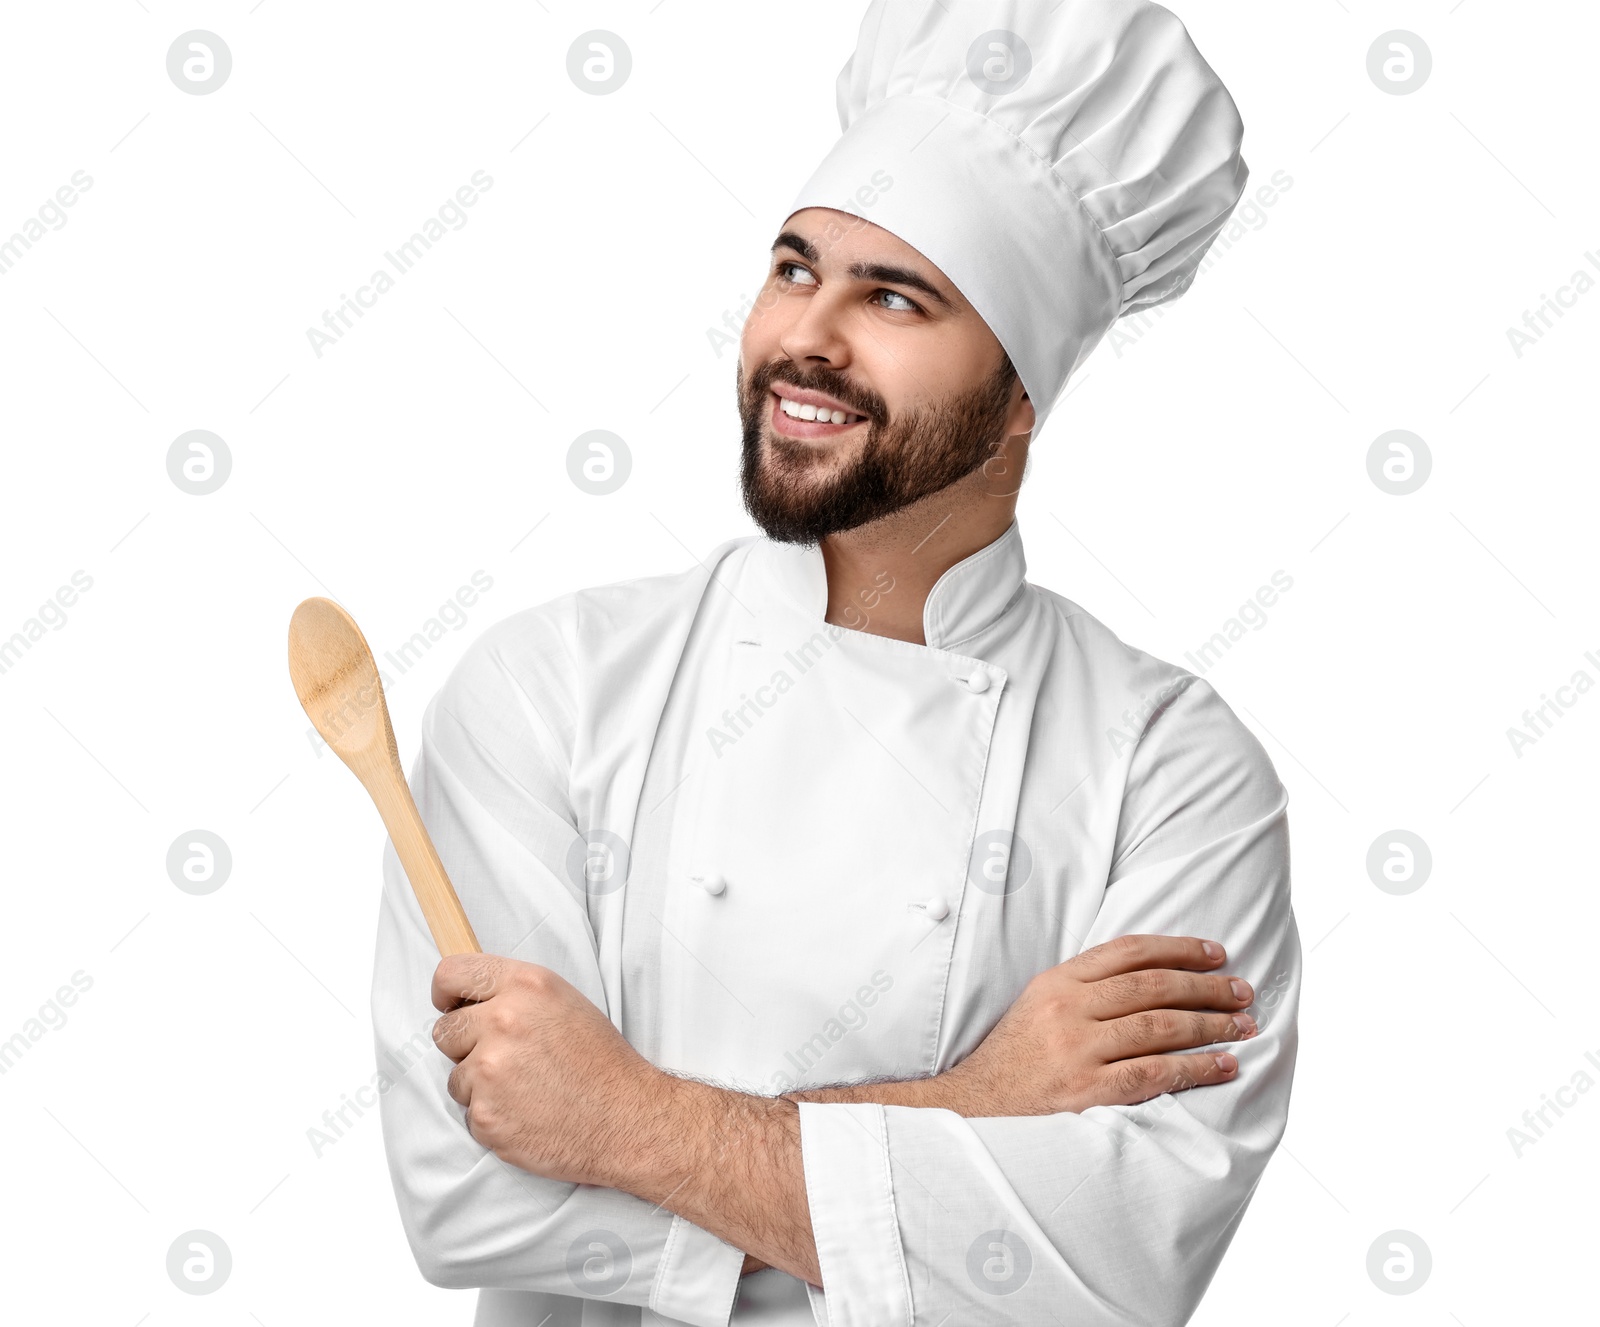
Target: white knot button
713,884
977,681
937,908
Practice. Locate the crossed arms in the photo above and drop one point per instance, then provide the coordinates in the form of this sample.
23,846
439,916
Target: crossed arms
1110,1195
551,1086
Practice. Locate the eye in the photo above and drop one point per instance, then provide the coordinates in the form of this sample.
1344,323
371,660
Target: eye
783,269
910,305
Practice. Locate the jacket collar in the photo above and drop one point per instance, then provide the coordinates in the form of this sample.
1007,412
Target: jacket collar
970,595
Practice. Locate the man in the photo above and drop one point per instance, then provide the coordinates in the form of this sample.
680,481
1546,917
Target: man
864,924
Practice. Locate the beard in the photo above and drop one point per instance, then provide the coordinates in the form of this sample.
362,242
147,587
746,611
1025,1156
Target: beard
799,492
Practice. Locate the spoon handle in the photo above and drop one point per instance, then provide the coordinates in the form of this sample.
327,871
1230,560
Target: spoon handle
446,918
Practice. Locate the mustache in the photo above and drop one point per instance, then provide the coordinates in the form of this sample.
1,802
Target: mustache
839,388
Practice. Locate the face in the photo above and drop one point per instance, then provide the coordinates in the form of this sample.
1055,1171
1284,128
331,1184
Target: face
909,390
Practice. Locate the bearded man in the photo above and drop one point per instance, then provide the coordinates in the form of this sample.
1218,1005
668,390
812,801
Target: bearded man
869,927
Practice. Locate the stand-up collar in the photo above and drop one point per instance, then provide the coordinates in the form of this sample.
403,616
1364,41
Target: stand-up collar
967,598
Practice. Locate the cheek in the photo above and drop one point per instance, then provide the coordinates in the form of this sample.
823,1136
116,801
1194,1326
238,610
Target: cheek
900,384
908,363
763,328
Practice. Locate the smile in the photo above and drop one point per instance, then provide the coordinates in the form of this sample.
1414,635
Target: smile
796,419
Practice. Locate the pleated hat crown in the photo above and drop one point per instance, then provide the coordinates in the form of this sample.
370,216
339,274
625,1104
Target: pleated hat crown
1064,167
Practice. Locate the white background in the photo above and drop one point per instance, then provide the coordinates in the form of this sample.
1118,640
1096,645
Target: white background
1229,442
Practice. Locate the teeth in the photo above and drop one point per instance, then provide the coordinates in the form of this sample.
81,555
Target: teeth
797,411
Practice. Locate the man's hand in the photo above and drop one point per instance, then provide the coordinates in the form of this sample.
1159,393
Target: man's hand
1098,1030
549,1084
552,1087
1093,1031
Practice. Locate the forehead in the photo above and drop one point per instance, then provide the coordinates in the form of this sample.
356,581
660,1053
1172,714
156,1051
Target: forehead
842,239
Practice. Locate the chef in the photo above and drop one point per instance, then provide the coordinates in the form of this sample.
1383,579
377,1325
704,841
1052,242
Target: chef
871,936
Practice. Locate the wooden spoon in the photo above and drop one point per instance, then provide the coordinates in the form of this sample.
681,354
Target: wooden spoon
336,678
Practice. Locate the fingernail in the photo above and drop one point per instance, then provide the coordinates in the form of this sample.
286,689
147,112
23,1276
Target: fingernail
1241,990
1226,1063
1245,1024
1212,948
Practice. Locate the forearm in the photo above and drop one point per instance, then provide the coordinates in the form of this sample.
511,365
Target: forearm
947,1091
729,1162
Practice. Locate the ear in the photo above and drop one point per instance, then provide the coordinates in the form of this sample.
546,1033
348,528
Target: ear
1022,417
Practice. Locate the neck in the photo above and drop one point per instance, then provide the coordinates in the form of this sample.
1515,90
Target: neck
880,574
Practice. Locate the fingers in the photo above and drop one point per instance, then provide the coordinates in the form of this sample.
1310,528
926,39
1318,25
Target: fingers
460,1090
458,1031
1130,953
1164,988
461,984
1129,1082
465,979
1155,1030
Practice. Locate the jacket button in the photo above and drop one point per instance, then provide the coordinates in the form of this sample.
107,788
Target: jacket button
713,884
937,907
977,681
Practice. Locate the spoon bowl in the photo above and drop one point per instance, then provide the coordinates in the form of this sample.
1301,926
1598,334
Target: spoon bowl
336,679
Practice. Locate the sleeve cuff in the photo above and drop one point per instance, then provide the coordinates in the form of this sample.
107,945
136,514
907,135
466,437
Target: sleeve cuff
698,1277
845,1150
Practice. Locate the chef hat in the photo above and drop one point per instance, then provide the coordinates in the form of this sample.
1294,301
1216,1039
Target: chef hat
1063,165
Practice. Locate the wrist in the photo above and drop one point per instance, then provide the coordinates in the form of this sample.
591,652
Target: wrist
956,1089
647,1139
727,1161
964,1090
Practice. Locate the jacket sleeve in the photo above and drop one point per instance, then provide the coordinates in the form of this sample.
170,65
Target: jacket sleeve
1119,1215
491,783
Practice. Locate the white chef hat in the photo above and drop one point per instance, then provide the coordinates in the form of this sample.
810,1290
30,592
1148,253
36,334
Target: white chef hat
1063,165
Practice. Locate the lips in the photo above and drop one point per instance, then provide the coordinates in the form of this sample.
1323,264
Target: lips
805,396
790,427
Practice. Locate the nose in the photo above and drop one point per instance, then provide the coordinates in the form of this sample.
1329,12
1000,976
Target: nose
818,335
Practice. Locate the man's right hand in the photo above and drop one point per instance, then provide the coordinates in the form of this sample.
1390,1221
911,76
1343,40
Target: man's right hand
1099,1029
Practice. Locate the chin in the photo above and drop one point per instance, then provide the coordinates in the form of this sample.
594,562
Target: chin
809,453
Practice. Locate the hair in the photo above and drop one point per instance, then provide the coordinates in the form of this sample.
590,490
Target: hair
1006,374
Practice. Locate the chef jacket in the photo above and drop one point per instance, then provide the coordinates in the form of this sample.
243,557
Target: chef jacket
781,853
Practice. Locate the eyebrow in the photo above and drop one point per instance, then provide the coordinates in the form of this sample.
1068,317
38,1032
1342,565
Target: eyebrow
862,271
